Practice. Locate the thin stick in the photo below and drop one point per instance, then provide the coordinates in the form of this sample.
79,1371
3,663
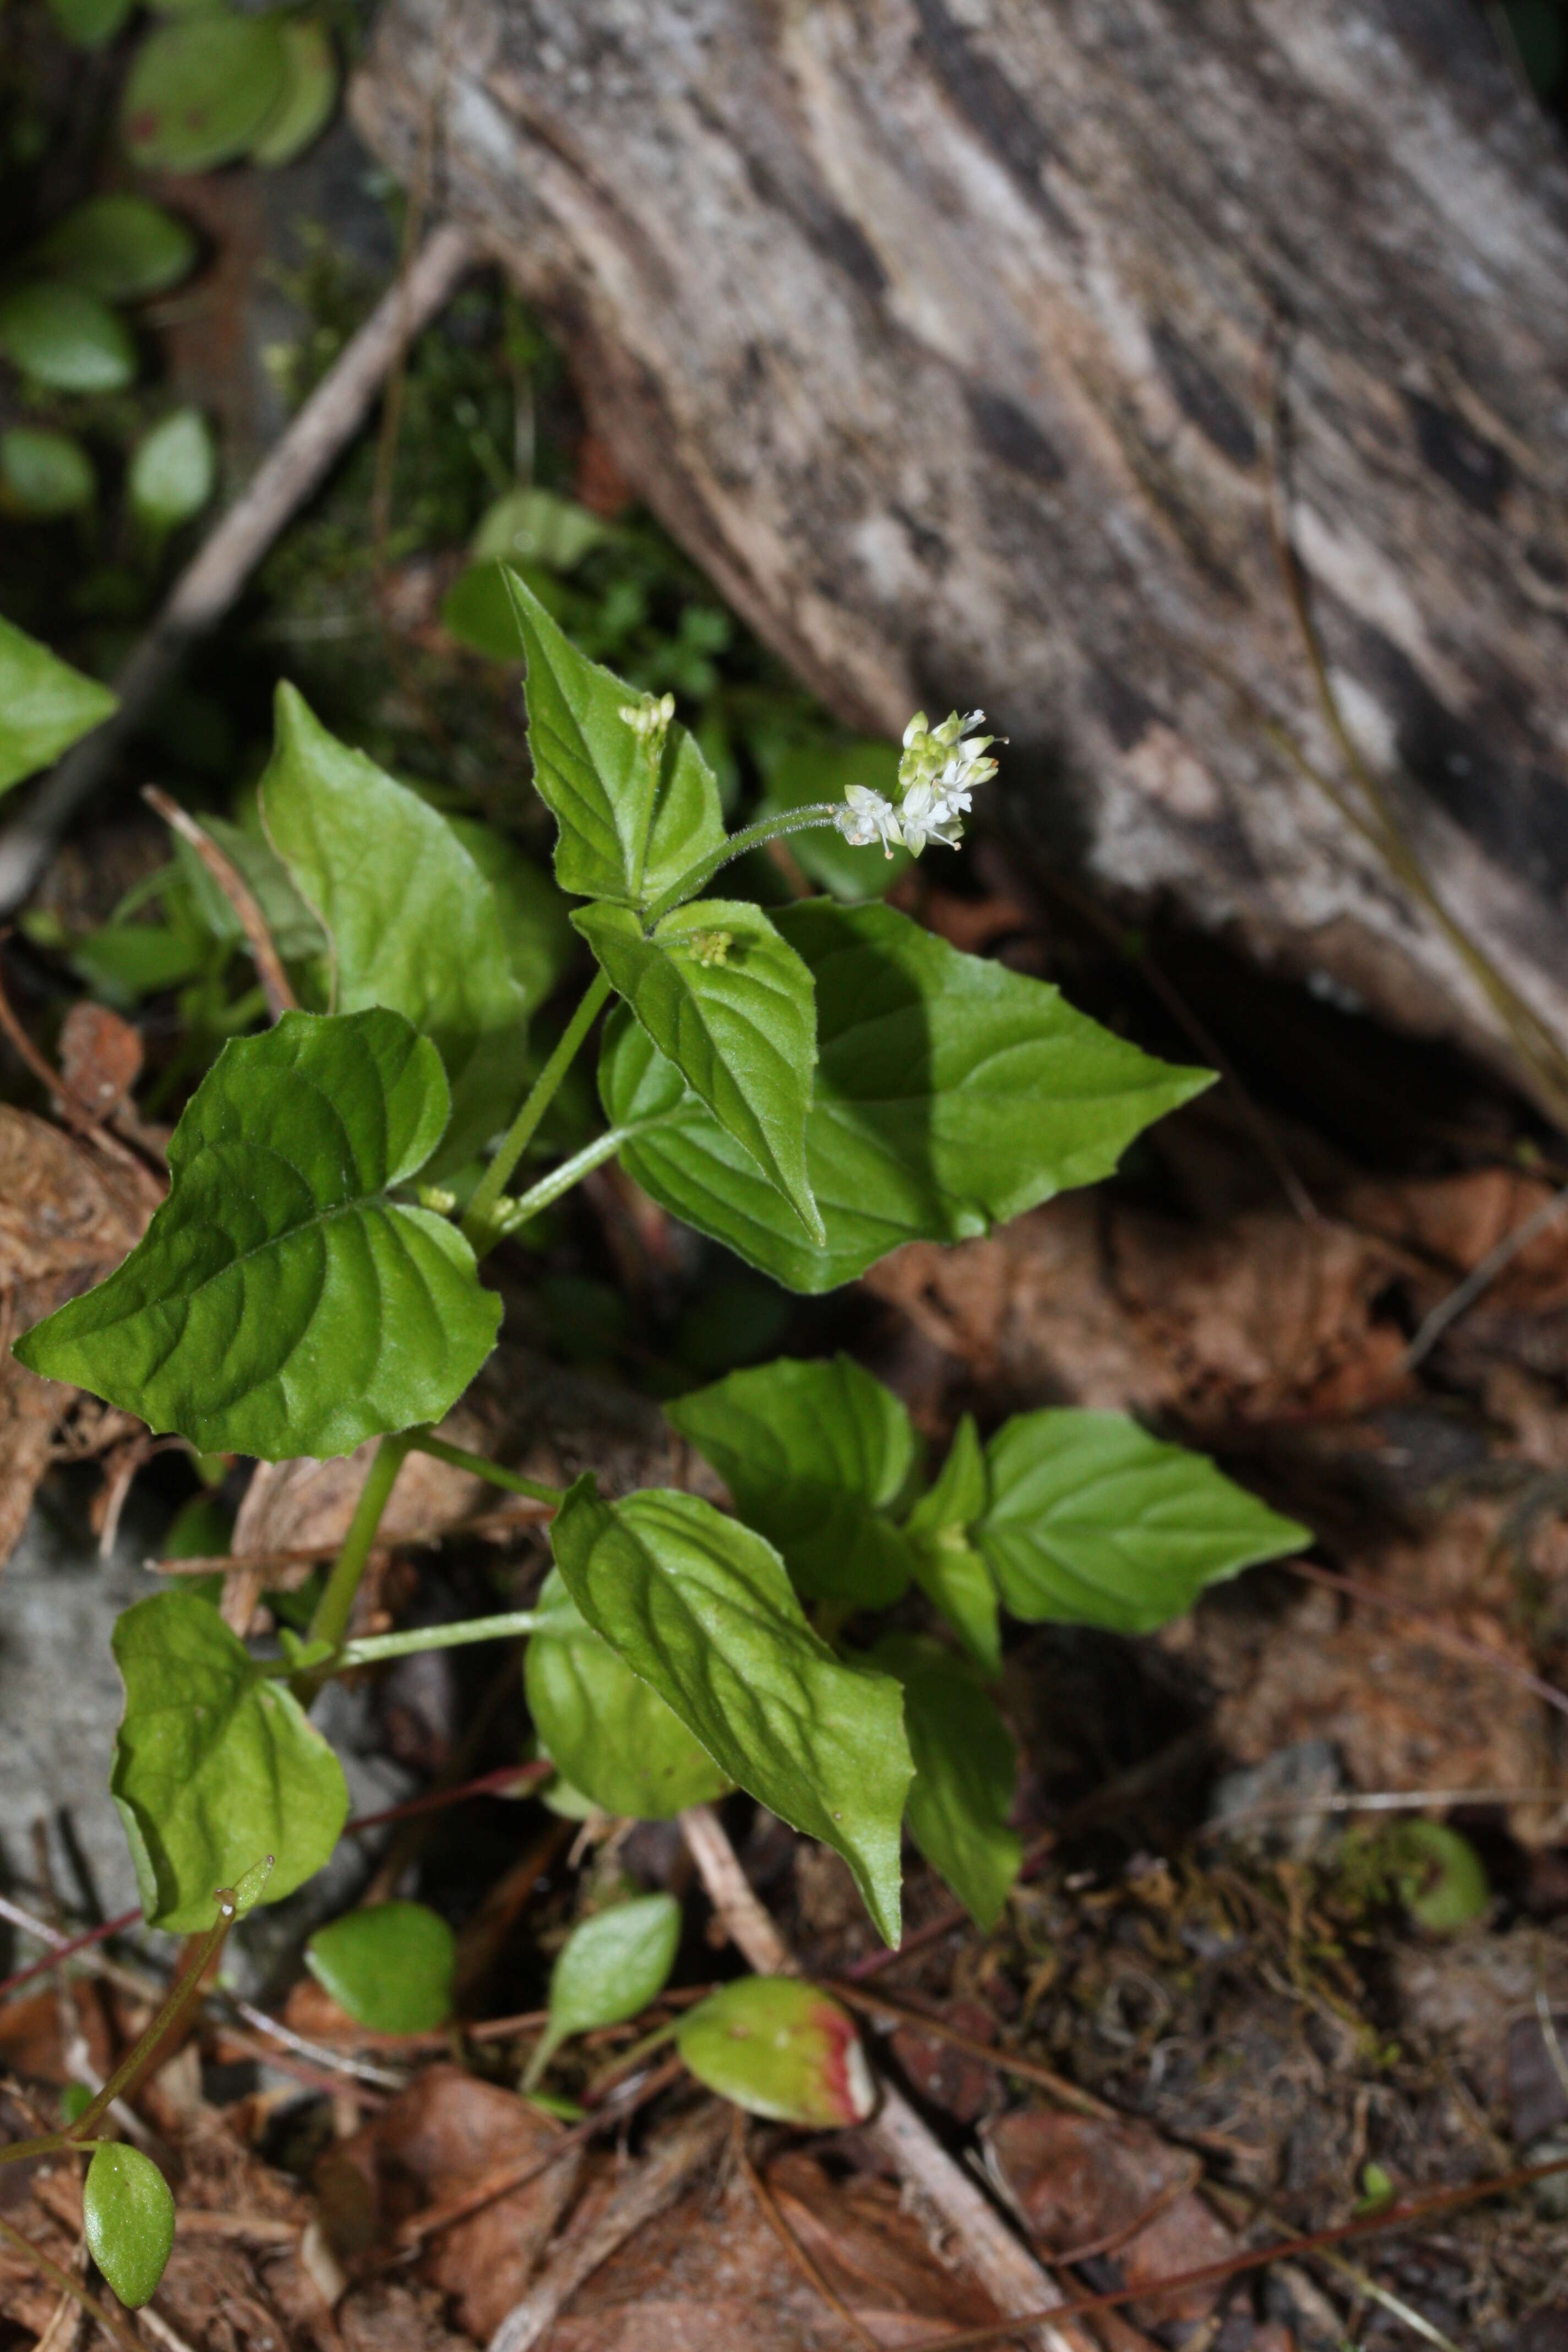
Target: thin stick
1005,2266
1447,2201
280,997
792,2245
112,2327
1464,1296
1554,2050
211,583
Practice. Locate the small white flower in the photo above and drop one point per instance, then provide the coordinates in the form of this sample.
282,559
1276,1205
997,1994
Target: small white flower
866,817
938,773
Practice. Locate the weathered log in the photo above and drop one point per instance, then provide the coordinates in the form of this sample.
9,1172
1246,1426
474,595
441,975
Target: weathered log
944,333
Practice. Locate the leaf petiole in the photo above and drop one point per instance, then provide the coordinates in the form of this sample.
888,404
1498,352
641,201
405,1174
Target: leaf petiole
479,1226
332,1611
373,1647
425,1441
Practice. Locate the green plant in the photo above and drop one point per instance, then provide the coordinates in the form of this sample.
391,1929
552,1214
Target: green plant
812,1086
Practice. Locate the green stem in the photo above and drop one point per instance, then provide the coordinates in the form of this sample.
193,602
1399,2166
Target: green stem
478,1226
184,1993
755,836
511,1216
330,1621
373,1647
424,1441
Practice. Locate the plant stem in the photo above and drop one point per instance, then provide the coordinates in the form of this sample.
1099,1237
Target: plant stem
374,1647
755,836
330,1621
511,1215
424,1441
477,1227
186,1990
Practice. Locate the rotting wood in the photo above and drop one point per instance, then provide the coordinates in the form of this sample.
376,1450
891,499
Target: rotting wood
944,338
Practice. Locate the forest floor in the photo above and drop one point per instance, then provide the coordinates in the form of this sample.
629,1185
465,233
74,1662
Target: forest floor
1242,1992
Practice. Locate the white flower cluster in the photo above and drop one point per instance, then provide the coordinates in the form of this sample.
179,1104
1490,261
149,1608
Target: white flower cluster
937,775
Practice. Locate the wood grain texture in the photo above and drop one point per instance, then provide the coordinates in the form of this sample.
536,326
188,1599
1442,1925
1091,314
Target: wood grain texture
940,331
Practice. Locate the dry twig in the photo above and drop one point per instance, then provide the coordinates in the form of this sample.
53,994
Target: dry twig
280,997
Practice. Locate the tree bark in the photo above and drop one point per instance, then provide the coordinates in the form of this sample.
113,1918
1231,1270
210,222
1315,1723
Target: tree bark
945,335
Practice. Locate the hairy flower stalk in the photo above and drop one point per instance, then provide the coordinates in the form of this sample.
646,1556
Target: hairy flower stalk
938,773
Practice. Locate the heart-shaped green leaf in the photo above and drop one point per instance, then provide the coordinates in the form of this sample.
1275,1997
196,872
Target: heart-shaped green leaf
215,1766
965,1773
610,1734
781,2049
414,924
390,1966
64,338
816,1454
628,830
44,475
129,2217
948,1570
1093,1522
283,1301
173,470
120,247
722,995
703,1610
45,705
951,1095
309,93
608,1970
202,89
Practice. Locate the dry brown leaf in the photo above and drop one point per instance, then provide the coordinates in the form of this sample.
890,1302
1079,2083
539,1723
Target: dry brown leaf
1404,1713
100,1057
1457,1221
1092,1303
67,1218
1085,2184
710,2274
437,2139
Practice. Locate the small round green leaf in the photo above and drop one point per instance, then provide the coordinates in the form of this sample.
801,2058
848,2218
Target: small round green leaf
44,475
66,338
201,90
309,94
1438,1875
390,1966
173,471
45,705
89,23
781,2049
118,248
609,1969
129,2219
